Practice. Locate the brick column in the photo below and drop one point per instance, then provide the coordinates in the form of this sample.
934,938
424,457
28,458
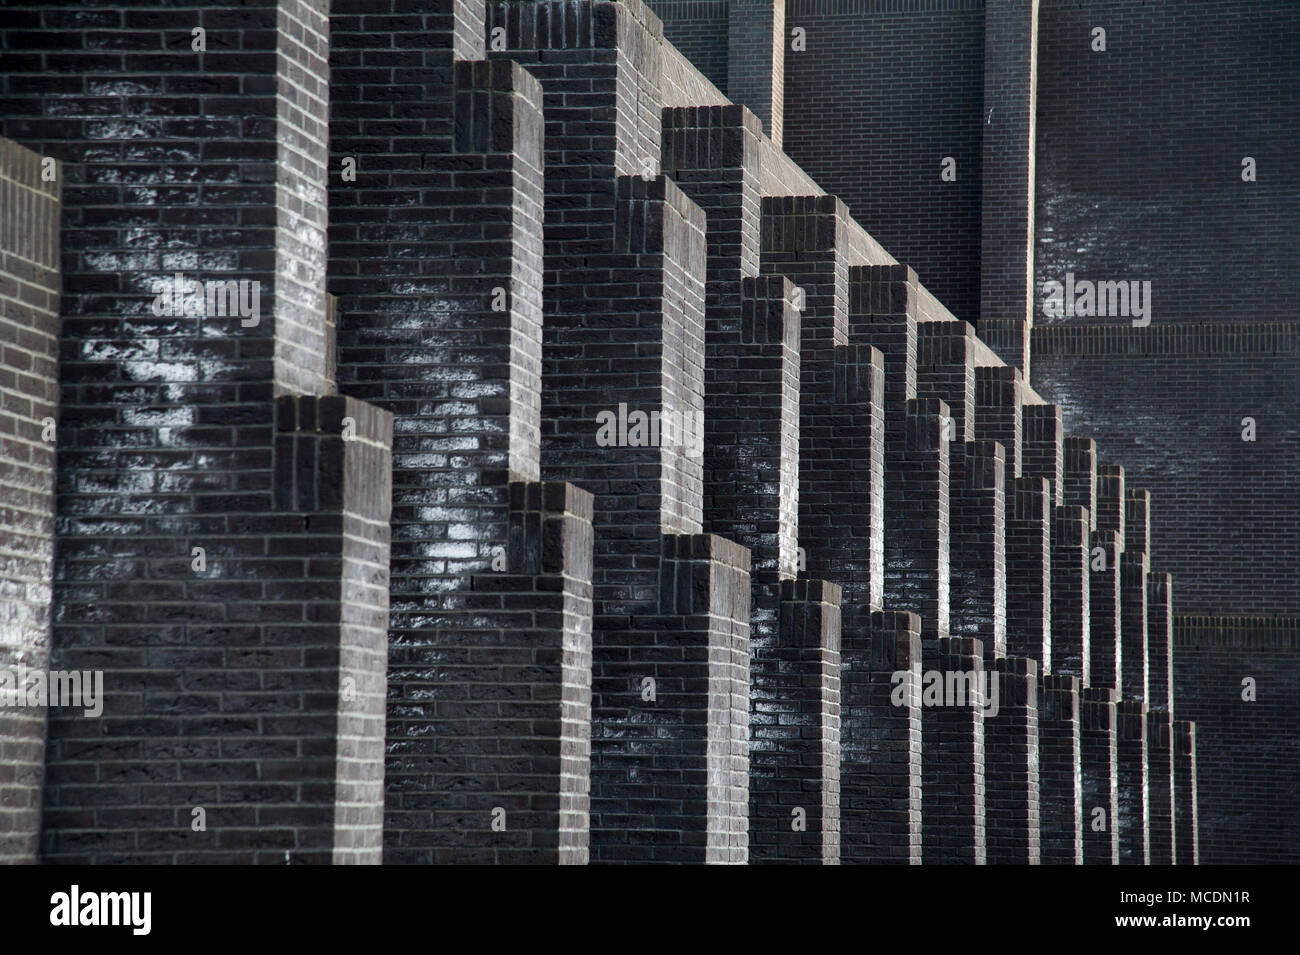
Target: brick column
1060,780
1029,571
1133,625
1134,820
1042,448
880,759
627,249
977,566
1186,845
29,318
1079,476
466,429
1104,646
671,699
999,414
1105,582
952,772
945,369
917,539
1160,642
1100,792
1011,755
340,477
518,672
1070,593
1137,521
1160,783
794,789
170,580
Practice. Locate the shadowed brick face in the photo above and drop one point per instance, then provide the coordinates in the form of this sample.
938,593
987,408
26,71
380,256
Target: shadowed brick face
594,491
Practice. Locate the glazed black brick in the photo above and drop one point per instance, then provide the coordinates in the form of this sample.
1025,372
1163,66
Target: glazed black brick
1010,74
214,166
624,324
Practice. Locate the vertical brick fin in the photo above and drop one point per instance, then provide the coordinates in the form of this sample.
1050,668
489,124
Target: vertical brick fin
752,452
334,462
1079,483
1011,762
756,60
360,487
29,325
167,435
803,239
945,369
882,313
1060,780
1160,643
1098,754
672,702
1007,171
794,787
880,758
455,354
1132,753
1112,500
1105,645
1029,571
1043,447
1137,521
515,675
660,230
977,566
1071,613
1160,780
842,489
952,770
999,413
917,539
1134,654
841,414
1186,829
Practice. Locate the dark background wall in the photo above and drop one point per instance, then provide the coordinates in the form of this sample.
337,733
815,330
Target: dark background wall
884,92
1140,149
698,28
1225,513
1247,752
